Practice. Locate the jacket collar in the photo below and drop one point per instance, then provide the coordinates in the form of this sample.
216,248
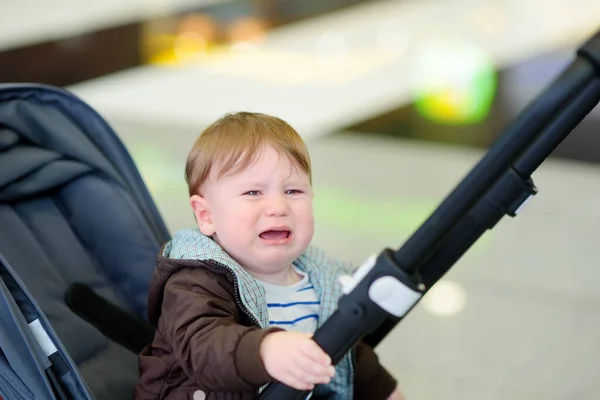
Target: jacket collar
323,272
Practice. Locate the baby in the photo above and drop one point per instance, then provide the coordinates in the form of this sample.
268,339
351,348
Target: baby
236,302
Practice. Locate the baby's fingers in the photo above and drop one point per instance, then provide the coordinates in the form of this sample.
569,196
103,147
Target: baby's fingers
313,371
294,380
316,353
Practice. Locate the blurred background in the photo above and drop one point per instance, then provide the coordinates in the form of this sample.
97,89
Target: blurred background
397,100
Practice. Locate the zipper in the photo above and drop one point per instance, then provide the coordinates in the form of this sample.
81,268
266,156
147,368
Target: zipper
236,291
238,301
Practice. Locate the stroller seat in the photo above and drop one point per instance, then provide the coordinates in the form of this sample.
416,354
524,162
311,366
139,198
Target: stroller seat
74,212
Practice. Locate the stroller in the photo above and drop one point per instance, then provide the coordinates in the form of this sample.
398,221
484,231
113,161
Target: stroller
79,235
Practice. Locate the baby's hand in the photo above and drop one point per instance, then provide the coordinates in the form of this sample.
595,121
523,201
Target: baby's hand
397,395
295,360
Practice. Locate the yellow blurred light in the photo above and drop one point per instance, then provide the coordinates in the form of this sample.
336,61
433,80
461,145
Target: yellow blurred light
455,83
189,45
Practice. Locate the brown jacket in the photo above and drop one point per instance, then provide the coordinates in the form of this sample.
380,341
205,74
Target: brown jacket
206,342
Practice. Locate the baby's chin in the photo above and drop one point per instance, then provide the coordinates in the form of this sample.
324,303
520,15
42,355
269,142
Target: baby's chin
258,256
274,263
270,260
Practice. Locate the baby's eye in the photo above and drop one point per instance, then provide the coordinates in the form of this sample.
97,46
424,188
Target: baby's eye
252,193
293,191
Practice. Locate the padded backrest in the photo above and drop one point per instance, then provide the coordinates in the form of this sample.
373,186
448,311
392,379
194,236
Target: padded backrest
73,208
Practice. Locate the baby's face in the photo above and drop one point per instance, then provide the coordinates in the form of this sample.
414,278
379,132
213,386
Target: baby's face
262,216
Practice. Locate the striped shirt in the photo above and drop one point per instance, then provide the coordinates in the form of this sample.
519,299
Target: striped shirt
293,308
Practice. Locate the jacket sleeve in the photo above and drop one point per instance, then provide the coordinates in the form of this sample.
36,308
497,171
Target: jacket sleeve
204,329
371,380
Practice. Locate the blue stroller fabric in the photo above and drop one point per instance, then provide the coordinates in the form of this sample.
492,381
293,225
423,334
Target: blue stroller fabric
73,209
33,362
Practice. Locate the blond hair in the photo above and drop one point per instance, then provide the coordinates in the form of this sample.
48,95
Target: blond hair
234,142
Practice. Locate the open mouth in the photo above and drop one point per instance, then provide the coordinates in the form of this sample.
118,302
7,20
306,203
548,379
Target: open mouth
276,234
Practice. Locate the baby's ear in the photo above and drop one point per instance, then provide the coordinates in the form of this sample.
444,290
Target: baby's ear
201,207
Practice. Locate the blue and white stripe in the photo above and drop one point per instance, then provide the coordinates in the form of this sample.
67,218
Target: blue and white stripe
295,307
